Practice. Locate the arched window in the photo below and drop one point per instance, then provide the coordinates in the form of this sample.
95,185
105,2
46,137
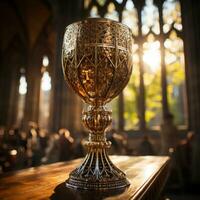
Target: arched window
157,84
22,90
45,92
174,60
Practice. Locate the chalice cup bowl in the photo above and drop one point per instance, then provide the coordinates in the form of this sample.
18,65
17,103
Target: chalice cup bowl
97,64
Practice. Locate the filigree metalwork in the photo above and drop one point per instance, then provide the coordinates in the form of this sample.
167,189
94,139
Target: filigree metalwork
97,64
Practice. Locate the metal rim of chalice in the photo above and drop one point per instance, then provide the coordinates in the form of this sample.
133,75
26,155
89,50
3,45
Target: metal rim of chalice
99,19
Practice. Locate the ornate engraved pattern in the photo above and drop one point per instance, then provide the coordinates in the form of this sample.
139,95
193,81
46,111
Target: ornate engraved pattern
97,59
97,64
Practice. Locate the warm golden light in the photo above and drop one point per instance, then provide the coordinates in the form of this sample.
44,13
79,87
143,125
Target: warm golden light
45,61
46,82
151,55
149,170
13,152
22,85
46,79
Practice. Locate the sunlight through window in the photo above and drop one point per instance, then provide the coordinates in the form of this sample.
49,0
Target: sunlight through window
22,85
151,56
45,92
157,35
46,82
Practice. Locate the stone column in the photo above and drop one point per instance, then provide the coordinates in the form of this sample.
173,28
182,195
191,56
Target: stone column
165,106
141,103
64,102
13,100
5,77
9,75
168,131
191,30
33,77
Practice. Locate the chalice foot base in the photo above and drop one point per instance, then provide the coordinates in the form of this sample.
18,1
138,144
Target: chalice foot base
97,185
97,172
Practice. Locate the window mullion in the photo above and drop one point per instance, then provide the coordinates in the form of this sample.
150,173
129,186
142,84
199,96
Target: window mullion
165,106
141,103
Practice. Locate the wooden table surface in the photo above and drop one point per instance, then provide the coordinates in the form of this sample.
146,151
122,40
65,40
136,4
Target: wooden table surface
147,175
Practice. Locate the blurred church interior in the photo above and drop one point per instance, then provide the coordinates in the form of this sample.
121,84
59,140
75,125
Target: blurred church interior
158,113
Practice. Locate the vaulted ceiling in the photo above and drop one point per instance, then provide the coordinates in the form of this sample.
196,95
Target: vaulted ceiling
26,20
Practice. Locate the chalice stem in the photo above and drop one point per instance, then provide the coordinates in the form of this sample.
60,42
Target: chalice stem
97,171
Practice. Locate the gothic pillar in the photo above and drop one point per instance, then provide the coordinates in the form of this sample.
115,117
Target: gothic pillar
165,106
167,127
13,100
9,82
64,102
141,103
33,77
5,93
191,30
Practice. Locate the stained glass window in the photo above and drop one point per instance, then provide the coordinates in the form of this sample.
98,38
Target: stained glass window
94,12
22,85
101,2
172,15
130,17
150,18
111,12
21,97
158,45
174,59
152,80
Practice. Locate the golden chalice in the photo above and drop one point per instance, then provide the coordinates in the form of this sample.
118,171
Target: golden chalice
97,64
